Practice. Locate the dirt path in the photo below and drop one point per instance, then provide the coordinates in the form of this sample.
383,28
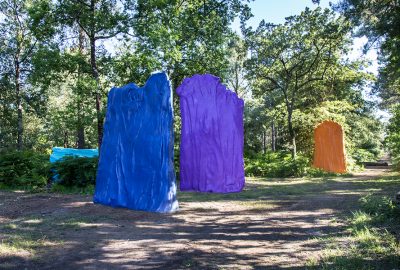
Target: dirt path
273,224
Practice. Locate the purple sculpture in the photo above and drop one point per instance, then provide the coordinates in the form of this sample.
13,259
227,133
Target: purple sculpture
211,154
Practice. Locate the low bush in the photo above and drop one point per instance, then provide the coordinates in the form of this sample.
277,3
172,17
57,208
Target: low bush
371,241
316,172
24,169
363,155
380,208
276,164
76,171
87,190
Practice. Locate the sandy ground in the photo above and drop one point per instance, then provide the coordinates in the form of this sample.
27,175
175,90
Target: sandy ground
273,224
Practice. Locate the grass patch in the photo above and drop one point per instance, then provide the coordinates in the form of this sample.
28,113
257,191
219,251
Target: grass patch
29,189
371,240
259,188
58,188
24,244
76,224
273,188
32,236
258,204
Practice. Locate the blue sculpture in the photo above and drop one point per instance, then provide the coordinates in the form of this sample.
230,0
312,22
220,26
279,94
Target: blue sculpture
136,157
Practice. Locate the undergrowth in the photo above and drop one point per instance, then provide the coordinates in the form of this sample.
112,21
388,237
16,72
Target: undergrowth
371,241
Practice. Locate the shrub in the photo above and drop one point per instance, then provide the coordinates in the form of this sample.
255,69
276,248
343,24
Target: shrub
363,155
276,164
76,171
392,139
25,169
58,188
316,172
382,208
371,242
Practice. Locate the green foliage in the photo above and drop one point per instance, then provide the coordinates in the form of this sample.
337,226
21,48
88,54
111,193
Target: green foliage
131,65
368,243
319,173
280,164
276,164
298,73
379,21
24,169
258,119
363,155
76,171
59,188
300,65
188,37
18,47
362,131
380,208
306,120
392,139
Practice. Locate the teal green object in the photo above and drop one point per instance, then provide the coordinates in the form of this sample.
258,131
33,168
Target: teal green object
60,152
136,157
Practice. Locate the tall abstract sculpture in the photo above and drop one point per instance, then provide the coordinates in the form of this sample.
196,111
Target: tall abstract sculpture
329,150
211,153
136,158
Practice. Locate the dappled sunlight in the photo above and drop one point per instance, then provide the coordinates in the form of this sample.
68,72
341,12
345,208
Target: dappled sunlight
33,221
76,204
352,192
270,223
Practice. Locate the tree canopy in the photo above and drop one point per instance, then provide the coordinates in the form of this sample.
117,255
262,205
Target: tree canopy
60,58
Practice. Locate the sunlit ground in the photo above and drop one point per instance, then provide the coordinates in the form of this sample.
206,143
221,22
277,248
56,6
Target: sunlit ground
272,224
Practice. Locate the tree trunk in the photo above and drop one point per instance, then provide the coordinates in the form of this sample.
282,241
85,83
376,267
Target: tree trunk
80,134
80,137
236,79
292,133
264,138
273,137
20,127
95,74
65,139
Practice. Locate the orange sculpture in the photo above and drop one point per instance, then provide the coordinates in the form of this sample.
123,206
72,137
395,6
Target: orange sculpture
329,151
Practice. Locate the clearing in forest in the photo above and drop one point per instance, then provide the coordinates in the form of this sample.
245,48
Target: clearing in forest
272,224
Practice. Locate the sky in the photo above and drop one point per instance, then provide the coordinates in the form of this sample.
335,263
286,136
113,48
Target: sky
275,11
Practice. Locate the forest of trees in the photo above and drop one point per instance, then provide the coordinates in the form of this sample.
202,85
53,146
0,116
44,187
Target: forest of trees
59,58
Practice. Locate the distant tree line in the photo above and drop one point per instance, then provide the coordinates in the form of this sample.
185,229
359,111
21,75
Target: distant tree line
58,59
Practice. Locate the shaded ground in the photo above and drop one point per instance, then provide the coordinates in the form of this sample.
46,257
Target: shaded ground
273,224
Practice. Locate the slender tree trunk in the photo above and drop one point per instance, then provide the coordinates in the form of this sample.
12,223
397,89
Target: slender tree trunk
273,137
264,138
80,127
236,79
98,94
65,139
95,74
81,138
292,133
20,127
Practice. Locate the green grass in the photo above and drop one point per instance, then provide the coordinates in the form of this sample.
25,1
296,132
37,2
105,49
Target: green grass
32,236
27,236
367,243
29,189
88,190
272,188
